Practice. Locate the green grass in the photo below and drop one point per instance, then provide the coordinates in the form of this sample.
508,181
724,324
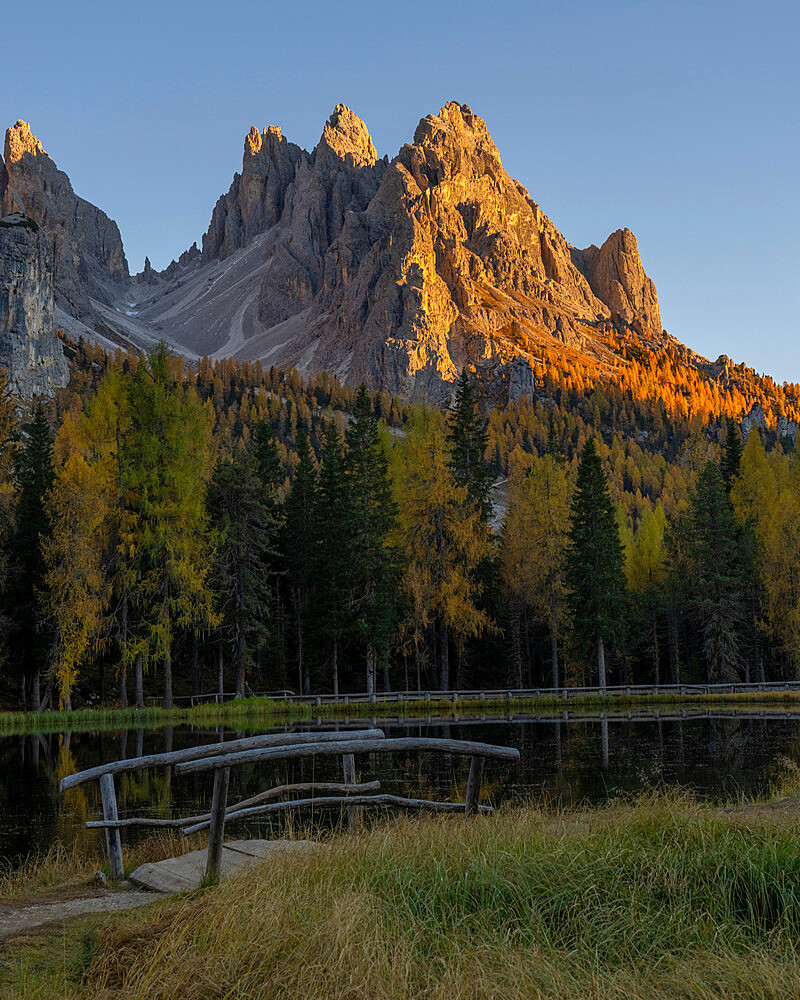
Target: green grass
662,897
252,712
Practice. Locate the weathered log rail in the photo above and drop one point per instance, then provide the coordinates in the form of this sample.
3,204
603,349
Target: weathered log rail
221,757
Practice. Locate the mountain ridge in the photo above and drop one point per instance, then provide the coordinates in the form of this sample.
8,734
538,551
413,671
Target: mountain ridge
394,272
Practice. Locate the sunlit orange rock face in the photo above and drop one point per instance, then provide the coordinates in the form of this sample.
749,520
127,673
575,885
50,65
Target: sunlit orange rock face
412,269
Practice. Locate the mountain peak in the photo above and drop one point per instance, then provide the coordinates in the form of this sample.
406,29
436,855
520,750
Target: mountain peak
19,141
346,135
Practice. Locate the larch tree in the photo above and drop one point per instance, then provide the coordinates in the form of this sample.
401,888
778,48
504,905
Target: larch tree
533,546
168,455
443,537
594,562
646,570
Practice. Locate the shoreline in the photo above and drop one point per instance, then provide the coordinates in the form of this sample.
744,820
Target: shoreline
254,711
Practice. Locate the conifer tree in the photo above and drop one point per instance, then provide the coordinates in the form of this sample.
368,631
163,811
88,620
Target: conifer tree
719,570
168,456
467,439
374,570
594,562
443,538
7,447
333,519
732,455
34,478
299,546
245,529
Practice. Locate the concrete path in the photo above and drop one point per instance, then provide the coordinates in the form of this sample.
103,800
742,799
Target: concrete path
186,872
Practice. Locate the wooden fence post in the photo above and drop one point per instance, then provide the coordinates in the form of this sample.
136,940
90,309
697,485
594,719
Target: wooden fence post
474,785
216,831
113,841
349,771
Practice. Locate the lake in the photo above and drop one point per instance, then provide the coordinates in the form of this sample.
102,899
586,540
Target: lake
570,760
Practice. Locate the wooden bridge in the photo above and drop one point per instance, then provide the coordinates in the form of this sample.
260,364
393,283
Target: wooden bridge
221,757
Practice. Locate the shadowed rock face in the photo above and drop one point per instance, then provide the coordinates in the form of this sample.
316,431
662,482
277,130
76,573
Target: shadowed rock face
88,257
30,351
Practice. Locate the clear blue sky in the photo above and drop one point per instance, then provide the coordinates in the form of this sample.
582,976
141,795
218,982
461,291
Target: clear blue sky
676,119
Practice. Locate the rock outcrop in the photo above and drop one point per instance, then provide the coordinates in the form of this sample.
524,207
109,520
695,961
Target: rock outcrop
30,350
89,261
453,263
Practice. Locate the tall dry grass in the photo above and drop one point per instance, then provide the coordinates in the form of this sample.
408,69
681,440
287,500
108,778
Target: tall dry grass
662,898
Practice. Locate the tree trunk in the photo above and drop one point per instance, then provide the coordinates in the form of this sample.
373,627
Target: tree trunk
444,679
123,684
220,674
195,664
370,670
656,657
335,667
240,664
299,657
36,701
601,663
139,682
553,633
167,677
386,685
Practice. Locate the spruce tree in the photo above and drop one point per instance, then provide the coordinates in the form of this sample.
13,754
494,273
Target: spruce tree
467,440
732,455
721,561
246,529
34,478
299,544
594,565
333,521
373,568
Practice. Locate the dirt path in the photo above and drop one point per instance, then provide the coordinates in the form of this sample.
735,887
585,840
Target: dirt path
21,919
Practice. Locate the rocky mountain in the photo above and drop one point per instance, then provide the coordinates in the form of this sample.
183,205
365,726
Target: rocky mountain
397,273
88,258
30,351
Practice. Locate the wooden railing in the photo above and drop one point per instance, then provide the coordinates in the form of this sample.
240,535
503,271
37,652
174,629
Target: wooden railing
221,757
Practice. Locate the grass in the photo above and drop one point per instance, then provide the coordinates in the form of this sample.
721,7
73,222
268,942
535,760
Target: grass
251,712
660,897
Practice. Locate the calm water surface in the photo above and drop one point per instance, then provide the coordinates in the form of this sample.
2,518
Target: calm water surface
569,760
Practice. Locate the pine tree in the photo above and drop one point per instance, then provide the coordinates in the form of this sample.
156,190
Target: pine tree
594,562
373,570
299,546
34,478
467,439
245,530
732,455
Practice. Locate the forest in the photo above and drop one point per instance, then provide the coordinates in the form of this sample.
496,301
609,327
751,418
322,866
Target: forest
170,529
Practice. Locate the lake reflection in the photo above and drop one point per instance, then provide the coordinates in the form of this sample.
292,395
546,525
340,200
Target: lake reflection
566,759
